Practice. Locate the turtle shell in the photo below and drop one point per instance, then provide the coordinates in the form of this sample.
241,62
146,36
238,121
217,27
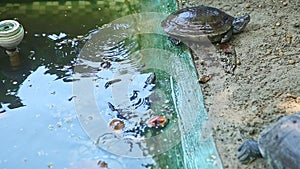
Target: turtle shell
279,143
195,22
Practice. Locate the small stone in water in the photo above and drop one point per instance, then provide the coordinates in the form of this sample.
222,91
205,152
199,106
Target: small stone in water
278,24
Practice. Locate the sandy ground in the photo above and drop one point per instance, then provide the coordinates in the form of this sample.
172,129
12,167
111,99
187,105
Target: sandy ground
266,84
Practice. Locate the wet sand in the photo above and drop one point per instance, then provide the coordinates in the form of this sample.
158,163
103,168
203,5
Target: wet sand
266,84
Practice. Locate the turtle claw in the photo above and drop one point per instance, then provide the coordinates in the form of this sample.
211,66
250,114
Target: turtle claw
248,152
243,155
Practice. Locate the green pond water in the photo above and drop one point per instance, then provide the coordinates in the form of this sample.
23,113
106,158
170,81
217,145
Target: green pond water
75,59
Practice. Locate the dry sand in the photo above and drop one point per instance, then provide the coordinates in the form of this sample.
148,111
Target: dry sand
266,84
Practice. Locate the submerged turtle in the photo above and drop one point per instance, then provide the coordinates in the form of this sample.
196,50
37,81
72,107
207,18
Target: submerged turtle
194,22
279,144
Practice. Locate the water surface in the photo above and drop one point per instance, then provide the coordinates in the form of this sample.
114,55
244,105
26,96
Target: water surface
45,94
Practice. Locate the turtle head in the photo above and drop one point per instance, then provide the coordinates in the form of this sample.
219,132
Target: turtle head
240,23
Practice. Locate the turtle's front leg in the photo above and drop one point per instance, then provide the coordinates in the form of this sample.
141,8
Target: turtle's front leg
227,37
248,151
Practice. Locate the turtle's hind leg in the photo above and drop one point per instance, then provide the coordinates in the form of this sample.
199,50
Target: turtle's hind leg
248,152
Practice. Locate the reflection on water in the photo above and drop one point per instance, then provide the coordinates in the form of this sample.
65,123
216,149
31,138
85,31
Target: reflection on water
15,69
41,19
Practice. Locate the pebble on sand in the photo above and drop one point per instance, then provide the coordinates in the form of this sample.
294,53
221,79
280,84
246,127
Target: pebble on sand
289,38
281,53
278,24
269,51
292,61
284,3
248,5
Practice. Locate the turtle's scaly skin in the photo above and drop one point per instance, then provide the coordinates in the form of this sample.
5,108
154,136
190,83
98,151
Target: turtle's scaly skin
279,144
193,23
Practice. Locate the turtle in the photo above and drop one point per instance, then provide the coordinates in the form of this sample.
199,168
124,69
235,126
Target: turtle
278,143
192,23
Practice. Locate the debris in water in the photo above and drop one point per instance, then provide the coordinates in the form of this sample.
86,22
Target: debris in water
71,98
107,84
102,164
158,122
117,124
